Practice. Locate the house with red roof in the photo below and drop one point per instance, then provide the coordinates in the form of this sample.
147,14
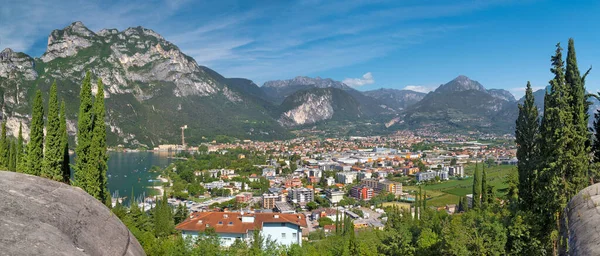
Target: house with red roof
281,228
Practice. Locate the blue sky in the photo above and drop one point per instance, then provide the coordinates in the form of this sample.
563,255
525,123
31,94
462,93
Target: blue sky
369,44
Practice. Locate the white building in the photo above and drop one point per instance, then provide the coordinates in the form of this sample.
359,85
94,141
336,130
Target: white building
346,177
330,181
283,229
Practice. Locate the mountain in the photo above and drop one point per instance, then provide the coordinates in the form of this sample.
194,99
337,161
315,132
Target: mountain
463,104
280,89
395,99
502,94
539,102
152,88
314,105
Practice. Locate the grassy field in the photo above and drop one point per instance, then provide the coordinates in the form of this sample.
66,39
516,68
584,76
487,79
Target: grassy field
398,204
449,192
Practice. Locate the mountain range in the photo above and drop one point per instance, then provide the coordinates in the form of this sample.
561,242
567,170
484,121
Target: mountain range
152,89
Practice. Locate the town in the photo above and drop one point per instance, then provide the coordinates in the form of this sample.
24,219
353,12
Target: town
299,189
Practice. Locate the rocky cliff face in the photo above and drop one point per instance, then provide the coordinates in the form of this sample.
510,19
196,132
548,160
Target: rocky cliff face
312,108
151,87
319,104
502,94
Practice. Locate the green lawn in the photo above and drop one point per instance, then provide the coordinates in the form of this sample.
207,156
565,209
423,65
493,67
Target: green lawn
449,192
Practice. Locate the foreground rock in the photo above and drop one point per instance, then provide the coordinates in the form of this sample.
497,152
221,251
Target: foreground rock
583,214
44,217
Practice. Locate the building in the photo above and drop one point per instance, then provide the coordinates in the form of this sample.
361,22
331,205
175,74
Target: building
425,176
243,197
282,229
364,175
334,196
361,192
346,177
372,183
390,187
456,171
430,175
284,207
330,181
269,200
300,196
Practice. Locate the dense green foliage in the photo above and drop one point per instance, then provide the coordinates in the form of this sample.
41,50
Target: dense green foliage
555,165
53,153
527,136
35,147
91,157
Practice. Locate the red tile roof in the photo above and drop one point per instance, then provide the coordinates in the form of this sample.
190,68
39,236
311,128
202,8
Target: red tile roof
220,221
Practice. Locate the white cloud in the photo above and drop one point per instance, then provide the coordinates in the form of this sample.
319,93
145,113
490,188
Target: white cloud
367,78
419,88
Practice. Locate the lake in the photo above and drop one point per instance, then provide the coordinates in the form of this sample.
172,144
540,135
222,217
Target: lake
130,170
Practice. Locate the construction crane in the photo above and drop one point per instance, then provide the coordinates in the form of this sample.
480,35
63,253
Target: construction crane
183,136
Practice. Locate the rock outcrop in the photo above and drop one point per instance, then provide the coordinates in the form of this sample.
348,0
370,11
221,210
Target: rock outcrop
583,220
45,217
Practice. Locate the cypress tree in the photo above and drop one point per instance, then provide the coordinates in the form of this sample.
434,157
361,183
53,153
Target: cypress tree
527,134
53,154
484,191
35,147
579,147
20,153
4,147
85,175
476,188
65,168
98,147
12,156
556,135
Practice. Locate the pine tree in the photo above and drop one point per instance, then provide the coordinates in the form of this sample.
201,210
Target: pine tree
20,153
163,218
98,147
527,134
53,153
35,147
578,149
484,187
3,147
12,156
476,188
556,134
65,168
85,173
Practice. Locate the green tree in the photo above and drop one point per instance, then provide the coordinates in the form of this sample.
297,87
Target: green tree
163,218
99,155
325,221
53,153
578,149
4,147
484,187
86,176
19,156
35,147
527,135
476,187
12,156
556,135
181,213
65,168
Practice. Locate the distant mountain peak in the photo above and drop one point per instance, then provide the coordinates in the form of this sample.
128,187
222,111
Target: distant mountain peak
461,83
